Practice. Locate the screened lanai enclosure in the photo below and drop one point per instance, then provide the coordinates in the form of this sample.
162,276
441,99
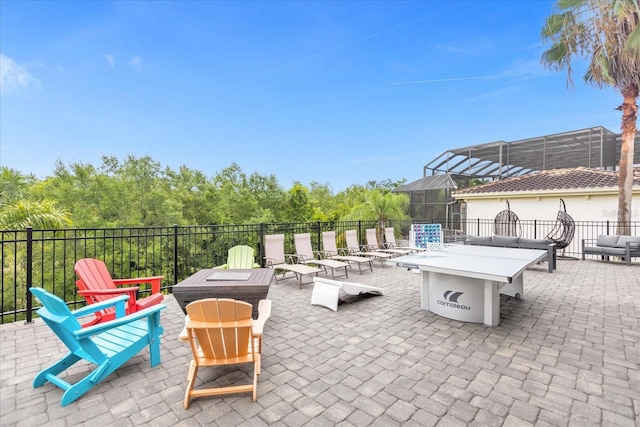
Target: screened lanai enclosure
431,196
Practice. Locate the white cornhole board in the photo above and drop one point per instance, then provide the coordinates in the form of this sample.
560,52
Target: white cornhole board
326,292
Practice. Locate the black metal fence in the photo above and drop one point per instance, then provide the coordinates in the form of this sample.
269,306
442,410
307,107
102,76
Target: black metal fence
45,258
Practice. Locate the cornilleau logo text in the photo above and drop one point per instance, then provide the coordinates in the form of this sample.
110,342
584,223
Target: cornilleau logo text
451,300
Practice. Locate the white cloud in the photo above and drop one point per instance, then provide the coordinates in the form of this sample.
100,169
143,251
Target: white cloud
14,76
136,62
111,60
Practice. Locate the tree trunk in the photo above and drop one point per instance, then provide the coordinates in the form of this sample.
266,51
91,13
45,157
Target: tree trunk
380,232
625,166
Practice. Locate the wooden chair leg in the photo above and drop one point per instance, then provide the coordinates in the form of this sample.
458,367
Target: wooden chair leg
191,377
256,371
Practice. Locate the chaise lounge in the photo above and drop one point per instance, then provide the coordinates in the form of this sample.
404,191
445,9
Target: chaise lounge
277,259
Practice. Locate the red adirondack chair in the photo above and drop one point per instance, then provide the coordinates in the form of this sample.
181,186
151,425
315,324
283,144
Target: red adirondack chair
95,285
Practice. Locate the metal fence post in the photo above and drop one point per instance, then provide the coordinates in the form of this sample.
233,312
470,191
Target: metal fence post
175,255
29,267
261,243
318,234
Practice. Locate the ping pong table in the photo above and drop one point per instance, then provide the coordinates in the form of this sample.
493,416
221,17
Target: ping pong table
464,283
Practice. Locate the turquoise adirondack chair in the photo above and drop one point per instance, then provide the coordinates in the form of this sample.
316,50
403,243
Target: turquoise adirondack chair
241,257
108,345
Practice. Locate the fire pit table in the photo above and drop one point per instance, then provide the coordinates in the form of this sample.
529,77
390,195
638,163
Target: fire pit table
250,285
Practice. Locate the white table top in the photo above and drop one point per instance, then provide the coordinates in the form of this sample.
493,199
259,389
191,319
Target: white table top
482,262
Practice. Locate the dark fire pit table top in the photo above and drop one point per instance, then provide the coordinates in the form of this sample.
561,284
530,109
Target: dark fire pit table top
249,285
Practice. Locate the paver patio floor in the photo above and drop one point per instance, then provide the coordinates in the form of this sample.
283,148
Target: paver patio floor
566,355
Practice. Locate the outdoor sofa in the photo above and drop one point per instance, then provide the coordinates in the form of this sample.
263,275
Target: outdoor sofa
626,247
517,242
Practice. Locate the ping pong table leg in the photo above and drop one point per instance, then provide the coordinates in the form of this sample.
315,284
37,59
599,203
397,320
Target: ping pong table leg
424,290
515,288
491,303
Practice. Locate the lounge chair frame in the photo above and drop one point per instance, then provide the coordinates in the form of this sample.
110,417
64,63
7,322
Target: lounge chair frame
276,258
306,255
331,251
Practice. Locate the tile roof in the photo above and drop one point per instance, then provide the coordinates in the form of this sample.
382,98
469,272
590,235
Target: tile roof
555,179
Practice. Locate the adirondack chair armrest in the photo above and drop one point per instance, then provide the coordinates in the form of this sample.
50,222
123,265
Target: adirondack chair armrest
104,326
154,281
131,294
222,267
117,302
131,291
264,312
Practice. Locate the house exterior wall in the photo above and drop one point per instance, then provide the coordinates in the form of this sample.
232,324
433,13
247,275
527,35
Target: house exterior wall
583,205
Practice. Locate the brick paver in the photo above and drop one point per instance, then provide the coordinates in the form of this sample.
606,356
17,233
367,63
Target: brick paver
568,354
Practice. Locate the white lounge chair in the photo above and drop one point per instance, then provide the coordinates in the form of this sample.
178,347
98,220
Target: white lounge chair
326,292
306,255
355,249
276,258
390,241
372,244
331,251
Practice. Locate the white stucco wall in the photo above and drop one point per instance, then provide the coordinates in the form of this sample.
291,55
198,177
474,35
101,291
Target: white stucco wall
582,205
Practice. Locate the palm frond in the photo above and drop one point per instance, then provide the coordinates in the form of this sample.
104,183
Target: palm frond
39,215
633,42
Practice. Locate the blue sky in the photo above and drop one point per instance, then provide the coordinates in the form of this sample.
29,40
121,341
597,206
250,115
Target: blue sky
335,92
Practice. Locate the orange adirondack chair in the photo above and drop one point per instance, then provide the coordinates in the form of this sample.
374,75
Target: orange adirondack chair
221,332
95,285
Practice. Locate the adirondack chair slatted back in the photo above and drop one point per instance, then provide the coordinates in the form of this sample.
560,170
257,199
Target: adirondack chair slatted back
62,322
240,256
222,328
93,275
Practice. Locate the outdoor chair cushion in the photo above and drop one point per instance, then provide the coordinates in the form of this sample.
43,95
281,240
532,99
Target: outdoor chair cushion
505,240
615,251
524,241
604,240
634,242
480,240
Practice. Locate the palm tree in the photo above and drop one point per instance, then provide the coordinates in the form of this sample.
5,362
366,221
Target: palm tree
381,205
18,213
605,32
13,185
40,215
